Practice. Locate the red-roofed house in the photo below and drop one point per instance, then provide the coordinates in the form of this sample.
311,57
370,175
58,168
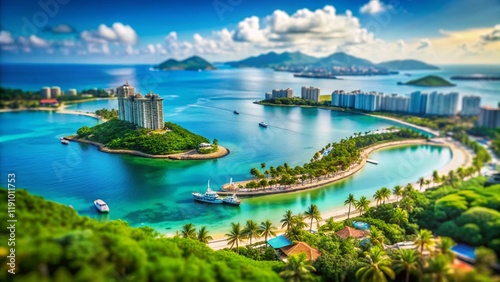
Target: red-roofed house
311,253
347,232
49,103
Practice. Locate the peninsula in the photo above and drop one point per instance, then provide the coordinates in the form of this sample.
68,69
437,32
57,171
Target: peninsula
429,81
193,63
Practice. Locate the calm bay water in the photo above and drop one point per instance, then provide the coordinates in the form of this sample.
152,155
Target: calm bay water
158,192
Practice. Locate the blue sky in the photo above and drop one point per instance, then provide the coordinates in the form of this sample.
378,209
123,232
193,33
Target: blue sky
73,31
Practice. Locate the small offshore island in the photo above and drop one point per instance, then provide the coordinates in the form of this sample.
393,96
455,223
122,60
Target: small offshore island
429,81
138,129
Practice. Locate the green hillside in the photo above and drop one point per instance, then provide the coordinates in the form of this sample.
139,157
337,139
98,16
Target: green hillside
192,63
54,243
407,65
342,59
430,80
272,59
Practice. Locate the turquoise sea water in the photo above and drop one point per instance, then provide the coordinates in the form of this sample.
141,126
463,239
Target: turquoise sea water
158,192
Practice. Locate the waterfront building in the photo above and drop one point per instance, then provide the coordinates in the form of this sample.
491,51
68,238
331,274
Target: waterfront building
418,103
144,111
394,103
49,103
489,117
310,93
367,101
342,99
55,91
72,92
282,93
440,104
45,92
269,95
470,105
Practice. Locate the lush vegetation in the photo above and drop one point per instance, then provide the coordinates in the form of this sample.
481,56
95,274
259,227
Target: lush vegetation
407,65
296,101
334,158
430,80
490,133
53,243
192,63
118,134
107,114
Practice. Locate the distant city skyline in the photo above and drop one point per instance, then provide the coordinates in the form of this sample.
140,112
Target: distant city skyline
130,32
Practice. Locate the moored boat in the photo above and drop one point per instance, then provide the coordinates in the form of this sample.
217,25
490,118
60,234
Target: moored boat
232,200
236,112
101,205
64,141
209,197
262,124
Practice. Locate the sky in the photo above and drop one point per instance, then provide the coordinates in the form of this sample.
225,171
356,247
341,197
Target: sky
148,32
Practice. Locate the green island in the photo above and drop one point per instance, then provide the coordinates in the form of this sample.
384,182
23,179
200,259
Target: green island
18,99
192,63
122,135
60,245
334,158
428,81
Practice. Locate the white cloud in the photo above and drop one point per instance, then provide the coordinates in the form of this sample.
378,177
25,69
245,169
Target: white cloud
493,35
118,33
6,38
374,7
38,42
424,43
62,28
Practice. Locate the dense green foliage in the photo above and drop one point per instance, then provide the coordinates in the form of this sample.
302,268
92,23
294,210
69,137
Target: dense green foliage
16,98
53,243
334,158
107,114
430,80
118,134
295,101
467,213
192,63
490,133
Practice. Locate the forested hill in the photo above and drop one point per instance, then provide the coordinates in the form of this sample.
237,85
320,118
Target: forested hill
53,243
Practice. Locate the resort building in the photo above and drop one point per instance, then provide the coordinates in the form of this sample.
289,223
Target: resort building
439,104
49,103
55,91
489,117
45,92
470,105
280,93
310,93
418,103
368,101
300,247
72,92
144,111
394,103
347,232
343,99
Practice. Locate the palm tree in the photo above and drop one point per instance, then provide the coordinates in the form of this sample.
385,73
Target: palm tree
235,235
297,268
314,214
407,260
386,194
421,182
376,237
438,268
444,245
435,177
203,235
266,229
407,204
287,220
408,190
378,196
375,266
400,216
424,240
251,230
329,224
350,201
263,166
398,192
363,205
188,231
427,182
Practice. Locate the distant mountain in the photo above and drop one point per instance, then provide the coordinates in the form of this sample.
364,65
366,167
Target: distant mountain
407,65
273,59
342,60
430,81
192,63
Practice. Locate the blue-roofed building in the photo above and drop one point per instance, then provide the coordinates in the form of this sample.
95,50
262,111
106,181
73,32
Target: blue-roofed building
279,242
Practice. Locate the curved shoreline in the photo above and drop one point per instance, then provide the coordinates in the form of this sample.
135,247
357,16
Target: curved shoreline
226,188
189,155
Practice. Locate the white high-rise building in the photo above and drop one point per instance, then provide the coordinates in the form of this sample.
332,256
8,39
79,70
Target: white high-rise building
418,103
72,92
440,104
45,92
470,105
394,103
144,111
310,93
489,117
55,91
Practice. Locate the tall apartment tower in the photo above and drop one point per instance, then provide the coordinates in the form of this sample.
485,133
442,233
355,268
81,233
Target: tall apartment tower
310,93
55,91
45,92
440,104
418,103
470,105
489,117
144,111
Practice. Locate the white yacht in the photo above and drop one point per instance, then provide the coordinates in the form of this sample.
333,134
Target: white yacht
209,196
232,200
101,205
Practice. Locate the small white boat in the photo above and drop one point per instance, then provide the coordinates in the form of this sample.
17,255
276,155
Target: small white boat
232,200
64,141
209,196
101,205
263,124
